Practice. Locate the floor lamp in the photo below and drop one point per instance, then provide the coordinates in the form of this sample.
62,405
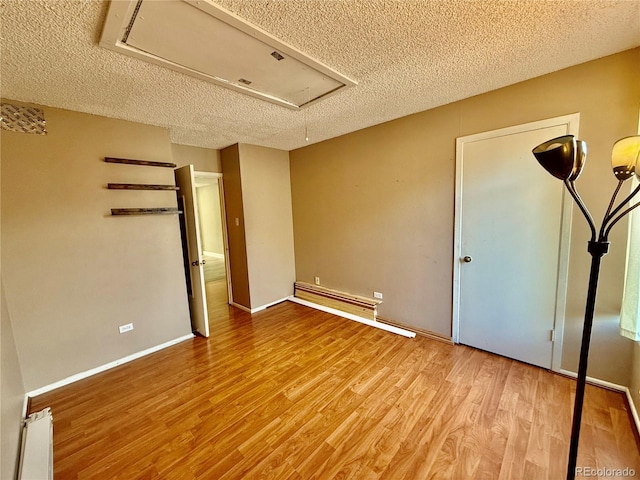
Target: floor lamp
564,157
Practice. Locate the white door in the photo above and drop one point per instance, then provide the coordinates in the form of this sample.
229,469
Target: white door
510,261
185,179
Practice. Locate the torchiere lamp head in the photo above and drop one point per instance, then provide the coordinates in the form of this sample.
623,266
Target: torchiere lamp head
563,157
624,157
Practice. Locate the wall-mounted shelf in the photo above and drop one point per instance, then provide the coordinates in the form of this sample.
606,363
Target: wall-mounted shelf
140,186
144,163
145,211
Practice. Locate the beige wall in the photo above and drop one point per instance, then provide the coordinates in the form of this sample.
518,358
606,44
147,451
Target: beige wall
266,193
72,272
12,390
257,188
202,159
373,210
233,201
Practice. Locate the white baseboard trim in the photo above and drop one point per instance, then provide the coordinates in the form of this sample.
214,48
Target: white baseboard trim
261,307
611,386
241,307
372,323
107,366
264,307
594,381
634,411
213,254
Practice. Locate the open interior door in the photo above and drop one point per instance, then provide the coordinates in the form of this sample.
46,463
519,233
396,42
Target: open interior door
185,179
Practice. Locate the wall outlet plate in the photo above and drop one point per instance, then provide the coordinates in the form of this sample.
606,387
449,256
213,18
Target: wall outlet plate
377,295
125,328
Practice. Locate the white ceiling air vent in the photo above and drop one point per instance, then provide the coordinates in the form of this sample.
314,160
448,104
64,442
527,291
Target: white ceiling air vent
201,39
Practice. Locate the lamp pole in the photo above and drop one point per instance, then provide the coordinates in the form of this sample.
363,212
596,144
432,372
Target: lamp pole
564,158
597,250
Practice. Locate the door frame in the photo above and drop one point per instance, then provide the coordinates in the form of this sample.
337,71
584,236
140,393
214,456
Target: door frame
572,121
223,217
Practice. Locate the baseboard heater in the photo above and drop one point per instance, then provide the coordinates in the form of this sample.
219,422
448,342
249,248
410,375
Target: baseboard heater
353,307
36,454
346,302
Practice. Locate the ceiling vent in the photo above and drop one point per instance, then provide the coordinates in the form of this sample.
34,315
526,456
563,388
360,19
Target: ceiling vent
201,39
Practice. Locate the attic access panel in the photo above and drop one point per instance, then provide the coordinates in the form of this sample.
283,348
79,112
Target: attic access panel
201,39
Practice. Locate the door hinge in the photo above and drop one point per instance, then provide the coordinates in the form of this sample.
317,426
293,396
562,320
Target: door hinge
552,335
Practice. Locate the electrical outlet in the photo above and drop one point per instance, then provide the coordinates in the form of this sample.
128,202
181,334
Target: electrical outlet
125,328
317,280
377,295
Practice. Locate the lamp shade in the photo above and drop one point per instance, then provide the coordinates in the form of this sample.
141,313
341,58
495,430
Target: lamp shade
624,157
581,158
558,156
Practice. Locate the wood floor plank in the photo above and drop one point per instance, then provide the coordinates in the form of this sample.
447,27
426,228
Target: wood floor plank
447,444
316,462
606,456
626,441
492,455
293,393
558,454
587,457
513,465
352,446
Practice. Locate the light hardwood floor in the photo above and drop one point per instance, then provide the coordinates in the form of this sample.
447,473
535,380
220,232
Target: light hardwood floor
217,302
293,393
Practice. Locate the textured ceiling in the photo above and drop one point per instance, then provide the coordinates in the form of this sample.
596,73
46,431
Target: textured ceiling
407,56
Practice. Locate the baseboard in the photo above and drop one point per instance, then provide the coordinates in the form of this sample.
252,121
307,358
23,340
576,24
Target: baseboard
419,331
241,307
611,386
634,411
260,308
264,307
107,366
366,321
594,381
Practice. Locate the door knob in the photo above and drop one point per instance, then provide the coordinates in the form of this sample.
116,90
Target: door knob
467,259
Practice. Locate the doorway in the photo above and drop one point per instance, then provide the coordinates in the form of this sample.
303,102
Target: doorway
213,241
511,244
205,247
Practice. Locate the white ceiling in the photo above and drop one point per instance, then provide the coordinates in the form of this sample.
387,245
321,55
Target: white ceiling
406,55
